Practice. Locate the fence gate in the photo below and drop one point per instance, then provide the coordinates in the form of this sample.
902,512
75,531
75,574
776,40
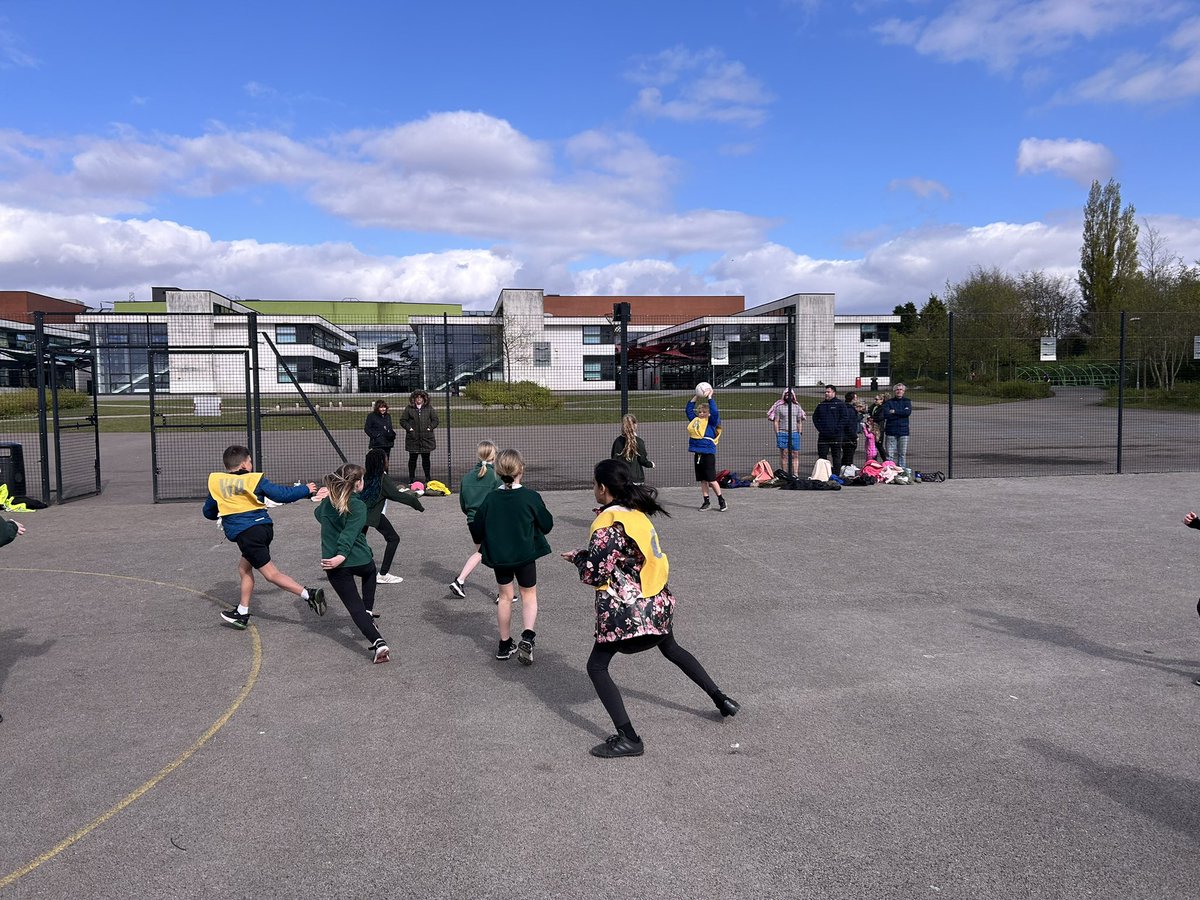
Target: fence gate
191,425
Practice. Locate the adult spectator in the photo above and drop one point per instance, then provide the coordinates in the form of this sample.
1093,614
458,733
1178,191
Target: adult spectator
895,426
419,421
831,420
787,417
379,428
853,428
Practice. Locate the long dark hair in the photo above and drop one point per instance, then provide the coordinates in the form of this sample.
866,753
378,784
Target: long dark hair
376,466
616,475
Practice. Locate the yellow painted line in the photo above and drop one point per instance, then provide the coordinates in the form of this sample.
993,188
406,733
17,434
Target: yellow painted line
255,666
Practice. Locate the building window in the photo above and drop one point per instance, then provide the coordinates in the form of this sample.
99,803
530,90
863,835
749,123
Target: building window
285,334
281,375
597,334
869,332
541,354
599,368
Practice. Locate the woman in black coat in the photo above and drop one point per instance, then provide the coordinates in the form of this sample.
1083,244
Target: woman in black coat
379,428
419,421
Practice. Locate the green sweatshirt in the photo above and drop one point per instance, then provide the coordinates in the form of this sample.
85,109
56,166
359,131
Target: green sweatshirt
343,535
513,524
389,490
8,531
473,488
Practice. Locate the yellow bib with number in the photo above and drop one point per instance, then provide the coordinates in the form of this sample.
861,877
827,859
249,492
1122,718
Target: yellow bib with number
234,492
653,577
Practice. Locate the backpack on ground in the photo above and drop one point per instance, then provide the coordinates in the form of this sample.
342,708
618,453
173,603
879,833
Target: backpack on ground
821,470
761,472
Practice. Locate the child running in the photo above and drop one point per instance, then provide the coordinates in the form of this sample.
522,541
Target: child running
475,486
236,496
632,449
511,524
634,606
345,552
378,488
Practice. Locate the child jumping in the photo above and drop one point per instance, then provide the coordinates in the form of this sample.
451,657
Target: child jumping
378,488
475,486
236,496
345,552
511,525
634,606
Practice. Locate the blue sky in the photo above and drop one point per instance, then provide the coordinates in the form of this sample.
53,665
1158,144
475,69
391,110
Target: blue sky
404,151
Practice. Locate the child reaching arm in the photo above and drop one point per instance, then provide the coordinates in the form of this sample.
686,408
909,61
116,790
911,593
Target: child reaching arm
237,496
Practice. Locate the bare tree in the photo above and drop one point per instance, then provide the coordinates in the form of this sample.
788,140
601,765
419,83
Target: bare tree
1051,302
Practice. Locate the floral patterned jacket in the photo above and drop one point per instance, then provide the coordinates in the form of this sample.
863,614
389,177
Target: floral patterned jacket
622,612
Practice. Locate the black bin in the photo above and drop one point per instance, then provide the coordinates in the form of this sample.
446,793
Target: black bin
12,468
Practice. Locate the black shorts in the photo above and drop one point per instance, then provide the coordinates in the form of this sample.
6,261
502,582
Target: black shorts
706,466
255,544
526,574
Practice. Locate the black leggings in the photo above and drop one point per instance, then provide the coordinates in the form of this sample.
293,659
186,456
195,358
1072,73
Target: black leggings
393,541
341,580
610,696
412,466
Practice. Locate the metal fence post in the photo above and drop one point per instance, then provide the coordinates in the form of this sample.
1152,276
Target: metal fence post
39,351
1121,393
449,390
253,390
950,396
621,315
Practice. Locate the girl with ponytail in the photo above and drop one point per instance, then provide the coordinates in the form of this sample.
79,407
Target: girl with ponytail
346,554
632,449
634,606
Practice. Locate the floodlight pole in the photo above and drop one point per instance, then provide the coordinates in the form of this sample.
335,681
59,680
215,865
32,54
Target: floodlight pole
621,316
1121,393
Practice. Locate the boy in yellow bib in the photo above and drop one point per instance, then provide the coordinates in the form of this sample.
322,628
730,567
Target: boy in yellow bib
236,496
634,607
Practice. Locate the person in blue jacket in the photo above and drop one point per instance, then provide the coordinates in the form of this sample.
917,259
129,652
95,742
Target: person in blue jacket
236,496
895,426
704,430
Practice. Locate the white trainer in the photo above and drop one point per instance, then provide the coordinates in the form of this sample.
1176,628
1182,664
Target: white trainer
388,579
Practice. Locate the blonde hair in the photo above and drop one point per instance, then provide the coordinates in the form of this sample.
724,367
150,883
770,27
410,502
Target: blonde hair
341,485
510,466
629,429
486,451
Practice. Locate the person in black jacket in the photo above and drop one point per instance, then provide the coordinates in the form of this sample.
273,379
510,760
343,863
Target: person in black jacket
379,428
831,419
852,428
419,422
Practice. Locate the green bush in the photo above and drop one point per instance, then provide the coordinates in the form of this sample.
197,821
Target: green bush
1008,390
24,402
521,394
1185,396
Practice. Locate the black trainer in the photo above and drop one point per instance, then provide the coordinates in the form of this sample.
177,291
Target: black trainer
721,504
380,652
618,745
316,600
456,588
705,505
236,619
728,706
506,649
525,651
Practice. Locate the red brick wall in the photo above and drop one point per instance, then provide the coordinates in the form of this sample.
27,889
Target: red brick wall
664,310
18,306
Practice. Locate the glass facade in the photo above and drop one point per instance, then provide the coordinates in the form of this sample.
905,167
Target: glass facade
123,358
727,355
460,354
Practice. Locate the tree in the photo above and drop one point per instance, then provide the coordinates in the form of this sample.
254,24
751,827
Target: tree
1050,302
908,318
922,351
992,333
1107,260
1166,296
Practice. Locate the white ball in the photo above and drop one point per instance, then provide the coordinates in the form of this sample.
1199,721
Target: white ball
703,389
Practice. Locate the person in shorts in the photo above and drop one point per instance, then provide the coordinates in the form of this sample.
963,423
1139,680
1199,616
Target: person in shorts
237,497
704,430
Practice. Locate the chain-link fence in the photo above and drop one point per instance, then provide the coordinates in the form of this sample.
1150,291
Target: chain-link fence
990,396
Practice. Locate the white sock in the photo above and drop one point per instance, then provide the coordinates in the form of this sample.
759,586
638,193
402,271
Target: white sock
304,593
243,610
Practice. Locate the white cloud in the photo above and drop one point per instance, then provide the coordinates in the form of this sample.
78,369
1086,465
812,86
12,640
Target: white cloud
1002,33
922,187
700,86
12,56
1171,74
1081,161
465,174
94,258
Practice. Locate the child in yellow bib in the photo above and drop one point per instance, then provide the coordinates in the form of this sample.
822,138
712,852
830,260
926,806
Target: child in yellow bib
635,608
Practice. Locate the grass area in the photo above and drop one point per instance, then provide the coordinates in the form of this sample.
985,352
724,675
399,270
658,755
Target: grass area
131,414
1184,398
